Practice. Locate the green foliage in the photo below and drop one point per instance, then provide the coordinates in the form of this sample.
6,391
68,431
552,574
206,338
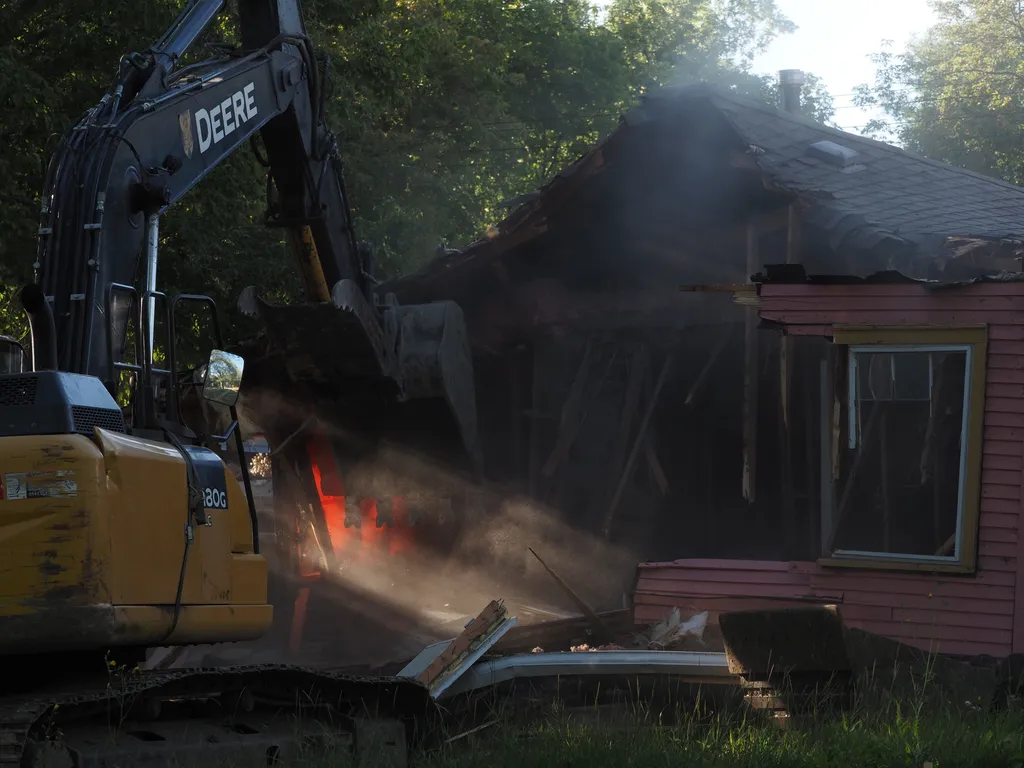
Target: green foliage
443,110
957,93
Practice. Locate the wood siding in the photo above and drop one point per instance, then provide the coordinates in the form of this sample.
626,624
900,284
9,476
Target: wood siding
981,613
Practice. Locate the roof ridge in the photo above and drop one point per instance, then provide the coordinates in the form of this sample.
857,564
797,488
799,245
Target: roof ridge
715,91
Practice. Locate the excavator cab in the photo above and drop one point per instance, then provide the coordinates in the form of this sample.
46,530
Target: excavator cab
113,536
119,520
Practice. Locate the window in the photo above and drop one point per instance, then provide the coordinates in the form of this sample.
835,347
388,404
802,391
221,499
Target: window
905,477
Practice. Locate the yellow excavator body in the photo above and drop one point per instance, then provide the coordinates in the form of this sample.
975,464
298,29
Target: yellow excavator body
94,539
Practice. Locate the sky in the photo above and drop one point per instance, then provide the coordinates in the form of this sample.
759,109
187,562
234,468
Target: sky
834,39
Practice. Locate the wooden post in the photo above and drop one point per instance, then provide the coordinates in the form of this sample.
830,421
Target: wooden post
570,420
825,447
518,414
814,413
751,372
786,367
785,392
535,421
637,445
630,404
884,459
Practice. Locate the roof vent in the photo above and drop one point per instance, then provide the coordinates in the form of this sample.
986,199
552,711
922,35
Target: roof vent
832,153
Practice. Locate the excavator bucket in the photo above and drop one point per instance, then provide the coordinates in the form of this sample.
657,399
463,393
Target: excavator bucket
377,419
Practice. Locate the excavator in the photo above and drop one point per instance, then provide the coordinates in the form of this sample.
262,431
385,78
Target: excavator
121,526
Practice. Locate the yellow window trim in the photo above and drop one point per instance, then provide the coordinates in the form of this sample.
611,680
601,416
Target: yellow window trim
900,335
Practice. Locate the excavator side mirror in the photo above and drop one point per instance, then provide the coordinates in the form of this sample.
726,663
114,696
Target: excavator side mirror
12,356
223,377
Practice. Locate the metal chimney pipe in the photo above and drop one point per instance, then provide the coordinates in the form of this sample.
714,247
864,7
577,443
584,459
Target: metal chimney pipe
790,83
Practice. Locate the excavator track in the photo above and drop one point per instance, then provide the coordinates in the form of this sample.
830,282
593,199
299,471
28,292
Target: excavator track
256,694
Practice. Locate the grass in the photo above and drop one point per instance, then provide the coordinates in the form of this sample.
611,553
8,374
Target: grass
916,729
950,738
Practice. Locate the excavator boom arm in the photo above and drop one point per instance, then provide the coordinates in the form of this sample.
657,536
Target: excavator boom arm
155,135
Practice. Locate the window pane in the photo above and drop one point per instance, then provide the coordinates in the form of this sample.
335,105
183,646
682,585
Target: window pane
874,376
899,488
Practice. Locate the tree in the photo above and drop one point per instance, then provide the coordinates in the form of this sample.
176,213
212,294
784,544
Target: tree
443,110
957,93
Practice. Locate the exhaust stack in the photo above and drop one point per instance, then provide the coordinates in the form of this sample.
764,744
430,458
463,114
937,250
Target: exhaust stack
44,331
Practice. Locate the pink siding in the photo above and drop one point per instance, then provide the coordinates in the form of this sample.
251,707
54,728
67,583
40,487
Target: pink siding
980,613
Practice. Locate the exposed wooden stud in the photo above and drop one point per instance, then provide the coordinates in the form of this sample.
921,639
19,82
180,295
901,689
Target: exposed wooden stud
597,625
750,377
785,459
826,493
517,415
786,357
698,383
651,446
630,404
811,461
570,420
657,471
631,462
883,456
793,232
535,422
858,461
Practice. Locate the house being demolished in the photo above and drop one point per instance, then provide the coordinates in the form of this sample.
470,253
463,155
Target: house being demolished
718,339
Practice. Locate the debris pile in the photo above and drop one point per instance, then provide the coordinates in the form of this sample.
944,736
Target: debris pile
493,649
673,632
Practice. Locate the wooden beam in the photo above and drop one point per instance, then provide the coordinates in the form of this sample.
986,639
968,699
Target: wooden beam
657,471
570,421
535,418
702,376
793,243
750,377
597,625
637,444
630,404
793,232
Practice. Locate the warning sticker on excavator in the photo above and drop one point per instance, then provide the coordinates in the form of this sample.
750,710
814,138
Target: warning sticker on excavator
59,483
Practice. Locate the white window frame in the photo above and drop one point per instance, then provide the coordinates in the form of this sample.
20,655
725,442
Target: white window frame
965,427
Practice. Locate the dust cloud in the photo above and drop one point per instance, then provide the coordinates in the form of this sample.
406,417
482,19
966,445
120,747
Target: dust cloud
390,590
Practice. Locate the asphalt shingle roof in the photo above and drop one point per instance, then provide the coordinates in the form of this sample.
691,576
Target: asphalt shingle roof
893,189
885,194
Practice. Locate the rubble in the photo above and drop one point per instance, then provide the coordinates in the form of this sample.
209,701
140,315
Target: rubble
492,650
673,631
441,664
